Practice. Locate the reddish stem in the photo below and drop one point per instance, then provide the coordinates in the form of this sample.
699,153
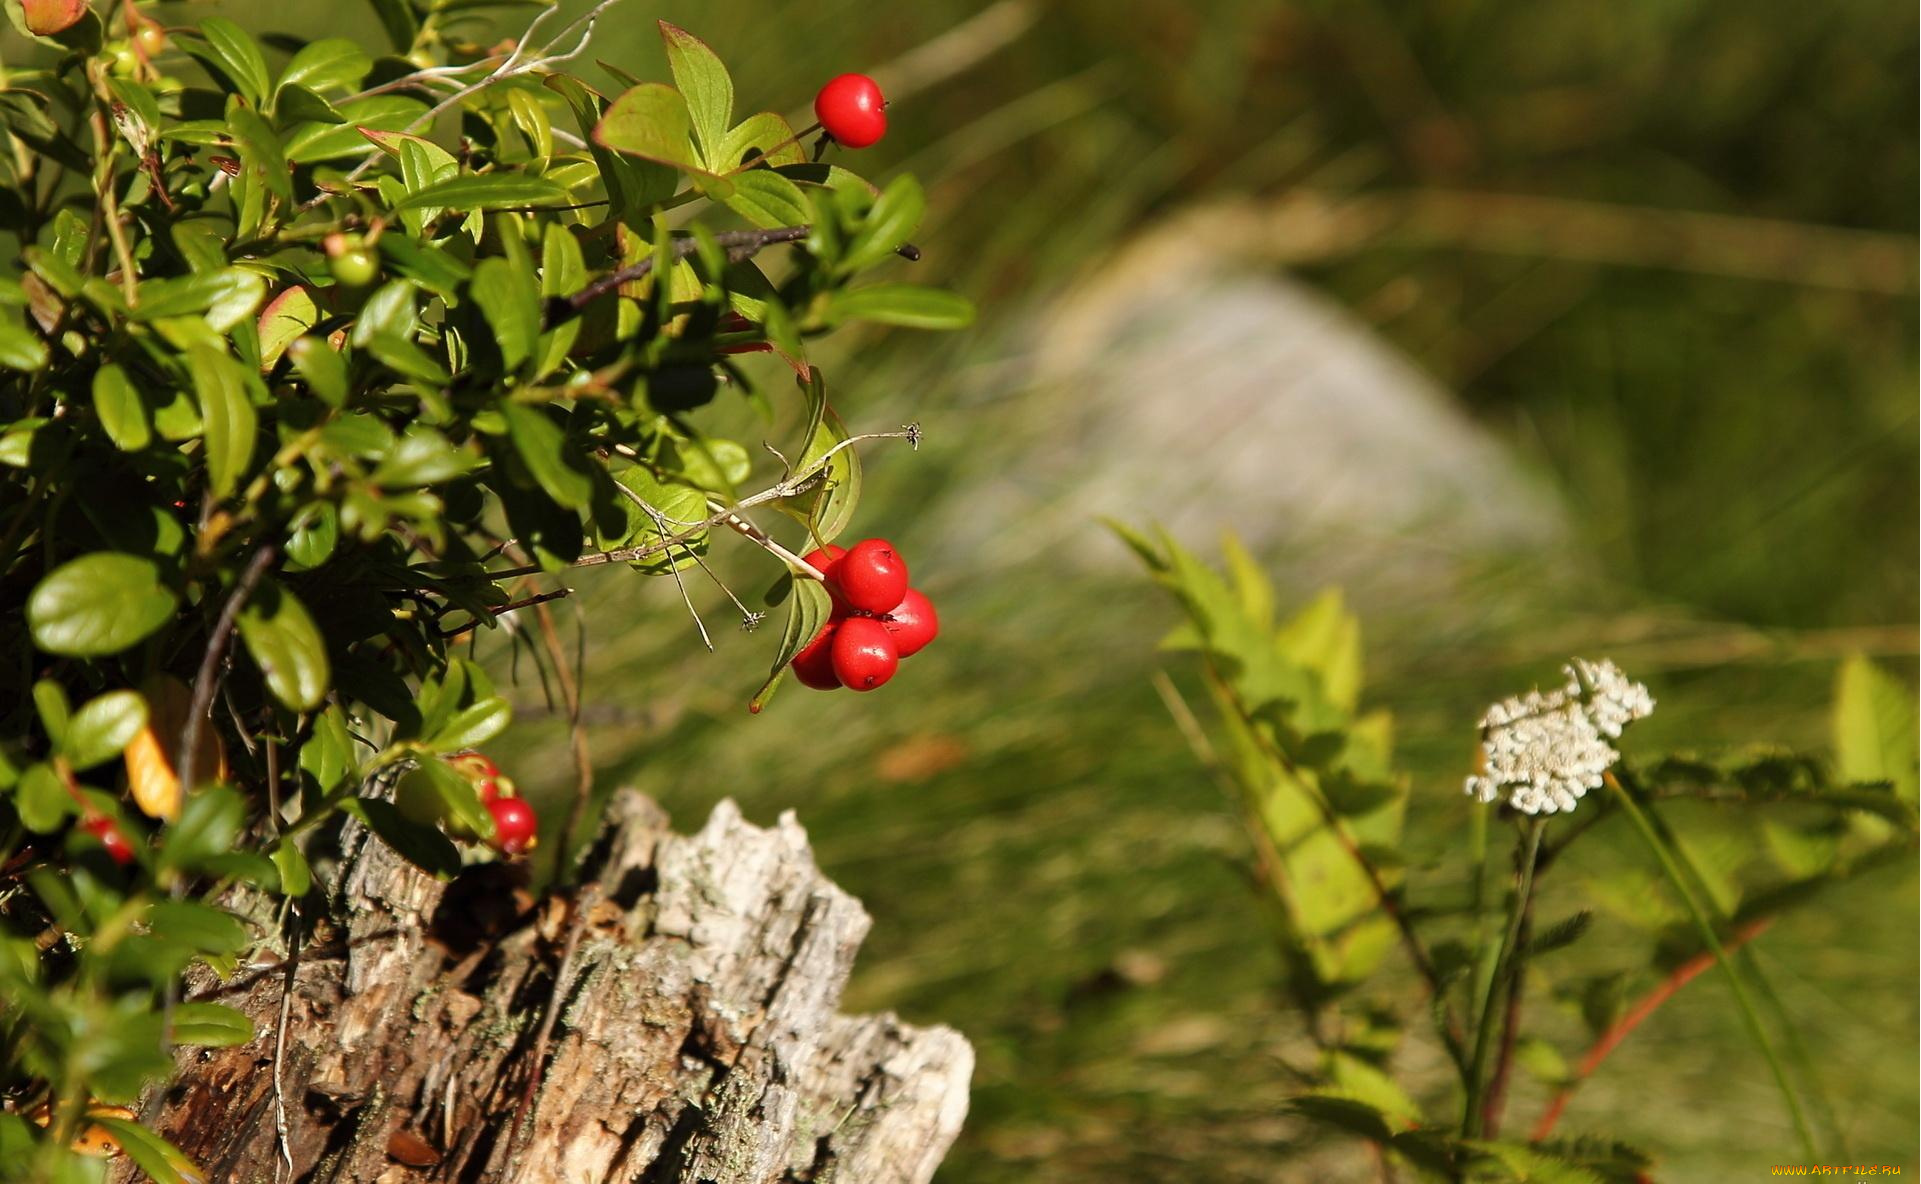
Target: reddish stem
1606,1043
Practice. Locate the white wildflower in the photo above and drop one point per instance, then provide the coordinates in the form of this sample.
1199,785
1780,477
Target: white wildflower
1543,751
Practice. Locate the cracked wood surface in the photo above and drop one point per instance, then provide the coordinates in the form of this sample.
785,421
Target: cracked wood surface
697,1036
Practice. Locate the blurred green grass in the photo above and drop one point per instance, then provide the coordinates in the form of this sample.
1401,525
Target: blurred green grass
1048,870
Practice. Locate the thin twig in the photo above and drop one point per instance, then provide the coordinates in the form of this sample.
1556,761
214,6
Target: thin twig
503,610
281,1128
740,246
209,674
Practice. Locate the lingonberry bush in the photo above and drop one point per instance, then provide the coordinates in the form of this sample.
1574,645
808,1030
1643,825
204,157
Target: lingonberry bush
318,361
1728,845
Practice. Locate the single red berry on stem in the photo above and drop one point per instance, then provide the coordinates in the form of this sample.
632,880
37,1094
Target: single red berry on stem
865,656
850,107
515,827
118,848
913,623
872,576
814,664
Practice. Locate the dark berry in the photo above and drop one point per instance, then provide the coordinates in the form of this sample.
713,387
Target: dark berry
515,827
814,665
118,848
913,623
864,654
850,107
872,576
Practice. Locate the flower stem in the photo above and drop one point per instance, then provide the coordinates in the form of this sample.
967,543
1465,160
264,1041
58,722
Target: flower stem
1489,1019
1735,980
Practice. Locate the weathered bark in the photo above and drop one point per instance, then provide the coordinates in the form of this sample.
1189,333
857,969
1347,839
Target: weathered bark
694,1036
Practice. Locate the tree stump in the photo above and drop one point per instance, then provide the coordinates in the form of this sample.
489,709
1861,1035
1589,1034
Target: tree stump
674,1020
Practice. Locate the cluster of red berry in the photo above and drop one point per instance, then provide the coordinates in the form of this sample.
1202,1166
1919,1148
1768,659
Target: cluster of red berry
877,618
515,826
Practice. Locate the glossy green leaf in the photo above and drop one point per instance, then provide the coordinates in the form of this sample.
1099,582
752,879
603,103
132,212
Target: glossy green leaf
98,604
229,423
510,300
486,191
472,726
209,824
122,412
332,63
287,645
210,1025
103,727
313,142
152,1154
323,368
20,347
556,465
233,55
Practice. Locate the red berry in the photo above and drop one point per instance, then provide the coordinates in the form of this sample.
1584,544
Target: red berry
864,654
913,623
483,773
814,664
119,849
850,107
515,827
824,559
872,576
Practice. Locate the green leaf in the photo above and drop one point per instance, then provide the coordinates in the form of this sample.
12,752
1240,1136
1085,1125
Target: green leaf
760,139
510,300
103,727
422,456
296,878
650,121
909,305
98,604
122,412
484,192
149,1152
227,413
888,225
42,799
211,1025
333,63
1874,728
285,319
234,55
314,142
20,347
808,610
767,199
418,843
323,368
328,755
287,645
55,710
555,465
708,91
208,826
473,726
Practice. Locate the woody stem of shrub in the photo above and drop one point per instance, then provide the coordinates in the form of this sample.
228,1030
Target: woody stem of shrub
1506,977
1622,1028
740,246
208,676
